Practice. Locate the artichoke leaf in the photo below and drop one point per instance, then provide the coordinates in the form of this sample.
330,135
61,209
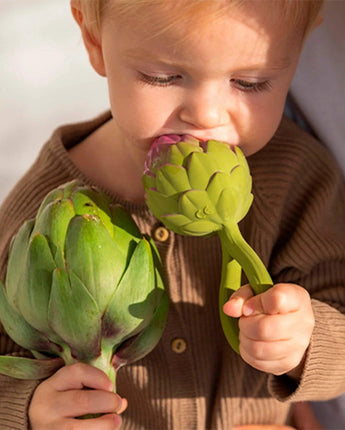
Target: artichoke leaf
217,183
187,148
54,221
241,180
51,197
94,257
144,342
241,158
159,283
133,302
197,206
222,153
201,228
175,155
161,204
35,291
125,231
29,368
17,257
149,181
200,168
86,201
74,315
228,205
20,330
245,207
123,221
175,222
53,224
172,179
69,188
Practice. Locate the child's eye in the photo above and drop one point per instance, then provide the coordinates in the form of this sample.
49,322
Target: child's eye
159,81
247,86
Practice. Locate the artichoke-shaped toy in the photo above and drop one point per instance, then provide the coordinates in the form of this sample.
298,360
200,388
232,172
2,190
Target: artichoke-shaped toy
202,187
82,284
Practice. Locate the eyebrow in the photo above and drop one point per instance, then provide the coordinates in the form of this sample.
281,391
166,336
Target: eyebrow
144,55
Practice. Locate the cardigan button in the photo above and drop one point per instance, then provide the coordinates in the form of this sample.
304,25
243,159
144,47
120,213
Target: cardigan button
161,234
179,345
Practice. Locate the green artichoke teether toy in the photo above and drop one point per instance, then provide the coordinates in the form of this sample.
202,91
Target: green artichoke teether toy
202,187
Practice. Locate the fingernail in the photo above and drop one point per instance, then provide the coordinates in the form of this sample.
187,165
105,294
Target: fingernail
122,407
119,408
247,310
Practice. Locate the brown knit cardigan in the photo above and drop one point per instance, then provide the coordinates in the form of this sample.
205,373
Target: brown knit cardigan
296,225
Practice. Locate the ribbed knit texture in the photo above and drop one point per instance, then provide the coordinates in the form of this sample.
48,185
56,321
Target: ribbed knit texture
296,225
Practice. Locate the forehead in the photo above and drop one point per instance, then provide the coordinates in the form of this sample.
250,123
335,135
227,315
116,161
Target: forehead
191,16
258,26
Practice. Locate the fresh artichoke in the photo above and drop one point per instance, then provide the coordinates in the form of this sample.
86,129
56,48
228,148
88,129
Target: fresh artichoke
82,284
202,187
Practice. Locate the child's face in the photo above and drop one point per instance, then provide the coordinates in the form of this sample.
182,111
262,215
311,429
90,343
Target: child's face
227,81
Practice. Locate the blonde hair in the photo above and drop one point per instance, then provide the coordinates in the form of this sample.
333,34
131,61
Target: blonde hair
300,14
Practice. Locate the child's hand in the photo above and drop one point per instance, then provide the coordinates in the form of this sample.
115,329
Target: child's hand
275,327
60,398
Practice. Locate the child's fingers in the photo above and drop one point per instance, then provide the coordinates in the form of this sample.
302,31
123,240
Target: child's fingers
280,299
123,407
234,307
270,357
76,403
78,376
268,327
63,395
104,422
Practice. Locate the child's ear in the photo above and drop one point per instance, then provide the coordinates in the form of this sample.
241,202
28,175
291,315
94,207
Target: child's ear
91,41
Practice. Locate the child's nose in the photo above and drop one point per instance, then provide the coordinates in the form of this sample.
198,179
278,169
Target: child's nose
205,109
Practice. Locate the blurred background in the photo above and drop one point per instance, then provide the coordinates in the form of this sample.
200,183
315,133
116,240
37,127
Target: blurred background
45,81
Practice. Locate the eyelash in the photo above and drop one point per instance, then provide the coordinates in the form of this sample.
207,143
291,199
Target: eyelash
251,87
240,84
159,81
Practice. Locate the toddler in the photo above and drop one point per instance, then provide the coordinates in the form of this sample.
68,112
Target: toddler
218,69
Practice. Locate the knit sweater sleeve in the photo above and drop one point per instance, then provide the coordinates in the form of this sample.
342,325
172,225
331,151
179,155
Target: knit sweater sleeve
15,396
301,208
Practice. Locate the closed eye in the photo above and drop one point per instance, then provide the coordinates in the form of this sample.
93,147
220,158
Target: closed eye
159,81
247,86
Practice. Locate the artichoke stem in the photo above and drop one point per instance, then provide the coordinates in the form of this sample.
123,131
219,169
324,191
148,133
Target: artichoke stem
235,246
67,356
103,362
230,282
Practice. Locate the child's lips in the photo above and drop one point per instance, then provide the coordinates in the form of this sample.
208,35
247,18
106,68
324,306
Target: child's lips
174,138
168,138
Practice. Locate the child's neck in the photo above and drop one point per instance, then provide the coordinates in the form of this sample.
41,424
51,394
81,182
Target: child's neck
107,164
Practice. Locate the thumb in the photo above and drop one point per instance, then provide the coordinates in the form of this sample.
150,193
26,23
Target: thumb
234,306
279,299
